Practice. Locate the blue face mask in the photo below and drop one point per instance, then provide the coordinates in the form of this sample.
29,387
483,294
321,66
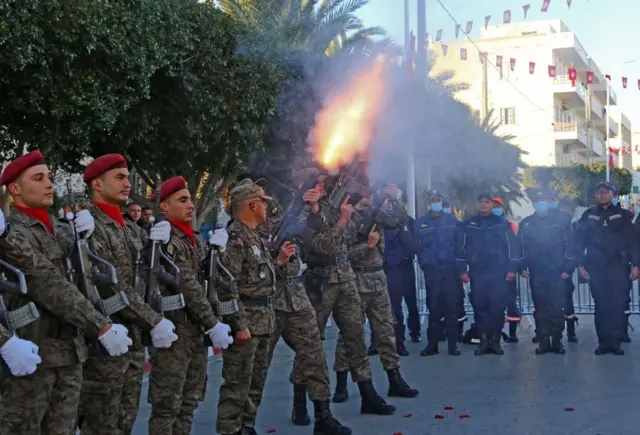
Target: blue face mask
436,207
497,211
553,205
541,207
447,210
614,202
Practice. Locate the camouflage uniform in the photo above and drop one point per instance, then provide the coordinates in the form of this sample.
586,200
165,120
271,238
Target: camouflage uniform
5,335
47,401
102,410
245,365
178,374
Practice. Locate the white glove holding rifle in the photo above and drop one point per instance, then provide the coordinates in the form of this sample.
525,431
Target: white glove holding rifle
220,336
21,356
219,238
115,340
160,232
84,223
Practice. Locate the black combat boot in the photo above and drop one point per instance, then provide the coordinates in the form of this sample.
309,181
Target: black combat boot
556,345
299,415
398,387
431,349
494,345
415,338
453,349
325,423
513,337
602,349
341,394
616,349
571,330
544,345
372,403
402,351
483,347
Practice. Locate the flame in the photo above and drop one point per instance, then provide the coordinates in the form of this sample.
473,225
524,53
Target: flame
344,126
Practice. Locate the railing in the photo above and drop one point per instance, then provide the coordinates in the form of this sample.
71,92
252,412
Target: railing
565,127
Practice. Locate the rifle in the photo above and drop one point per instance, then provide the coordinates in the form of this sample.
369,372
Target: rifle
347,182
23,316
86,274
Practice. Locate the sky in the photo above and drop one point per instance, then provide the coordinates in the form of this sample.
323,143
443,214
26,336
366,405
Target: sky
607,29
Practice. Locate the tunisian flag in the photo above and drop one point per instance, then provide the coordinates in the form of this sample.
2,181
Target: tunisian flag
611,157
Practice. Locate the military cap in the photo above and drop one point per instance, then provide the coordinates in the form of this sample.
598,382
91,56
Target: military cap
433,193
246,190
487,195
103,164
19,165
605,185
169,187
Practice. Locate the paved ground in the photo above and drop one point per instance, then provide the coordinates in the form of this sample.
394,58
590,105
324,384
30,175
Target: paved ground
517,393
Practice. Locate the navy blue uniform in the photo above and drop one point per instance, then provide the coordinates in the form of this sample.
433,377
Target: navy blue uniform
438,238
607,236
490,250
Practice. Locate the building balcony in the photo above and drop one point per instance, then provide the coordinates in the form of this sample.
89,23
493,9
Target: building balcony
572,134
596,108
600,89
567,46
597,145
571,96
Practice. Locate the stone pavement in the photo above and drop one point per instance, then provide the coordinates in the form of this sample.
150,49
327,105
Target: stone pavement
518,393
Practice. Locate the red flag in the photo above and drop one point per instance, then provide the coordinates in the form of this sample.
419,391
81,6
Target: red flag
486,21
469,27
525,8
624,82
444,49
638,84
457,30
573,75
569,3
611,157
545,5
532,67
499,60
463,54
439,35
589,77
483,56
607,76
552,70
506,17
512,63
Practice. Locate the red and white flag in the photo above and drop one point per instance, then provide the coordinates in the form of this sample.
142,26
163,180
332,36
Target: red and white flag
545,5
532,67
589,77
607,76
444,49
573,74
463,54
611,157
552,70
512,63
624,82
439,35
457,30
486,21
483,56
569,3
506,16
469,27
525,8
499,61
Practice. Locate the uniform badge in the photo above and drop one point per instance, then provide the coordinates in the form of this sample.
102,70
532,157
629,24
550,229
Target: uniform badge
256,250
262,275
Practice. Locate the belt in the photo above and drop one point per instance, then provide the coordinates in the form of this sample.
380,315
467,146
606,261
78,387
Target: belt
366,269
178,315
290,280
338,260
265,301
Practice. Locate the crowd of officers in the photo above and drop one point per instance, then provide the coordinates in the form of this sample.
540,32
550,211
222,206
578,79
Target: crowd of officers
77,367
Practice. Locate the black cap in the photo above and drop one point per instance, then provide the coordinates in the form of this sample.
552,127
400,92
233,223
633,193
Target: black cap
606,185
434,194
485,195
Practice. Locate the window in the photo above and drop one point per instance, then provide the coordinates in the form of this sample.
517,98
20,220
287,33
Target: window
508,115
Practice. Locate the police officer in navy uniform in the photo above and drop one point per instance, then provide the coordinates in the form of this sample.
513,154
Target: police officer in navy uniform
488,258
604,246
438,235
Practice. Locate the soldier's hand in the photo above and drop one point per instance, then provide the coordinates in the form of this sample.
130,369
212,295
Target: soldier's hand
524,274
464,276
510,276
2,222
346,211
374,237
115,340
312,196
583,273
220,336
635,273
565,275
287,250
243,336
21,356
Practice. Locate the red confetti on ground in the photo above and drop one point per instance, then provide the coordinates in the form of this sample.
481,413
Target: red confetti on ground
397,433
408,414
569,409
464,415
439,416
448,408
271,430
147,366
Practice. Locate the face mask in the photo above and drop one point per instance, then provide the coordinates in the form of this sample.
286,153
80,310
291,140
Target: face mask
614,202
553,205
497,211
541,207
447,210
436,207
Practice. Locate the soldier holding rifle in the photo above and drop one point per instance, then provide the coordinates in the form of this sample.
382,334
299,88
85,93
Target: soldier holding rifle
178,374
38,245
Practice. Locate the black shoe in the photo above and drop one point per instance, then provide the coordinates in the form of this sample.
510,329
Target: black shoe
398,386
513,337
431,349
494,345
249,431
601,350
544,345
535,339
483,348
372,403
571,330
372,350
341,394
617,350
402,351
556,345
453,350
325,423
415,339
299,415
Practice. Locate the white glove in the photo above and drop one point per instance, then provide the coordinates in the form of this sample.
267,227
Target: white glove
219,238
220,336
115,340
21,356
2,223
84,223
163,334
160,232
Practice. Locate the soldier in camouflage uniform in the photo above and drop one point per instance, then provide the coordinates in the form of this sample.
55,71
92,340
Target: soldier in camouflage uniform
366,253
246,362
178,374
37,244
102,408
330,285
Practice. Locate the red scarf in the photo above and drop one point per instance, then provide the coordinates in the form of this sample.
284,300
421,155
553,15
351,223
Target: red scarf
39,214
185,227
113,211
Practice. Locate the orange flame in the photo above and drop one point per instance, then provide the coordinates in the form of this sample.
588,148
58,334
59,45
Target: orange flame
344,126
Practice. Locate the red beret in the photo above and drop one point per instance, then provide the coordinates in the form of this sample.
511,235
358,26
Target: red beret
169,187
103,164
21,164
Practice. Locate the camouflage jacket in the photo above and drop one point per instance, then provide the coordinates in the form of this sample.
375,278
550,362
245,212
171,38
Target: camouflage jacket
362,256
5,335
41,257
190,261
328,245
249,261
122,247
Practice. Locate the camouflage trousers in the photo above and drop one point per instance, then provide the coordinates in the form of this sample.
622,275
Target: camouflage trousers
244,370
131,390
343,301
45,403
104,387
176,382
377,307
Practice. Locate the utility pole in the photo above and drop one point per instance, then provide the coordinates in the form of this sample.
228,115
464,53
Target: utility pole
606,145
408,59
422,61
485,89
588,120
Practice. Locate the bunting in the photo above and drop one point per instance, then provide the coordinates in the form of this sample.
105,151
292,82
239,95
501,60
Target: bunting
545,5
525,8
467,29
486,21
506,17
